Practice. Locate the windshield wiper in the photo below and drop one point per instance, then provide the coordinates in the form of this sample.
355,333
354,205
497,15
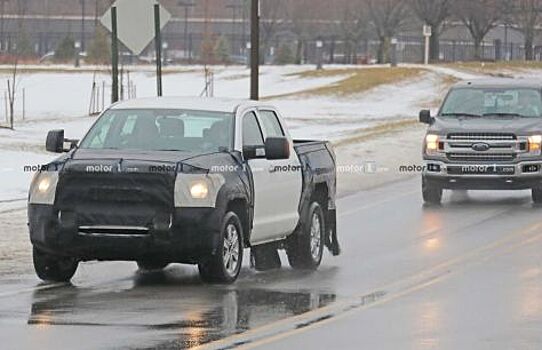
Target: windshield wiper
504,115
472,115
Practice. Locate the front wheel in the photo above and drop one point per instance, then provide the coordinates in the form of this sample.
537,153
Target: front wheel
536,194
431,193
224,266
306,247
53,268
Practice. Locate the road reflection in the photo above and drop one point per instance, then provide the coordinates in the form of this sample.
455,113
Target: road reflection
190,314
429,324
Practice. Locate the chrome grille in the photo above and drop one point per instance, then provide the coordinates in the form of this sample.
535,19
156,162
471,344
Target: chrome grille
481,157
481,137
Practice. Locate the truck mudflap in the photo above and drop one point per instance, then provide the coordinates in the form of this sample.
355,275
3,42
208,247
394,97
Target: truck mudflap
332,241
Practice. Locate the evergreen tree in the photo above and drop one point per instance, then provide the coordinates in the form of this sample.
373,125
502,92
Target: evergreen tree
222,50
99,51
65,50
285,55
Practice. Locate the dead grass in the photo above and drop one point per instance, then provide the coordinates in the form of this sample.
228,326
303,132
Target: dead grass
495,68
355,81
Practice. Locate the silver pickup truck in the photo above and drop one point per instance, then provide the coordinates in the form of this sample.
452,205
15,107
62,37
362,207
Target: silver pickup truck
486,135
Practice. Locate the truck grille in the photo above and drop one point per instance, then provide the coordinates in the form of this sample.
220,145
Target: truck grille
481,157
481,137
121,199
496,147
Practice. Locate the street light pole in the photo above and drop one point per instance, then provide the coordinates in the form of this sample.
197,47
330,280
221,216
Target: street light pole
255,51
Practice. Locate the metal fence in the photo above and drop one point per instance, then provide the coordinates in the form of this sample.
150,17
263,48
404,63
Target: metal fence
411,50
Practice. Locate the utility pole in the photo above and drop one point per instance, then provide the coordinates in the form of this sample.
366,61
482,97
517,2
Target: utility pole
244,25
82,25
114,56
2,10
255,51
158,42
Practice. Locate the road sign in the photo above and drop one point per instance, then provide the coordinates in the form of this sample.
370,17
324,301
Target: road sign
427,30
136,22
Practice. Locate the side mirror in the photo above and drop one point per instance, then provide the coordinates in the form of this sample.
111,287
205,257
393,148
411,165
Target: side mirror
425,117
55,142
277,148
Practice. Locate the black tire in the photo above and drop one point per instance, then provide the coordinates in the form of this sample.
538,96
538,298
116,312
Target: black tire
224,266
536,194
151,265
431,193
305,248
53,268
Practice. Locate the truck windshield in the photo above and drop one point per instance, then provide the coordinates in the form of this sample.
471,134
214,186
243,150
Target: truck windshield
503,102
161,130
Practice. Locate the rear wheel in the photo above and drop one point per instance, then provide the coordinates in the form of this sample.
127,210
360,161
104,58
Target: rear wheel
224,266
536,194
305,248
53,268
431,193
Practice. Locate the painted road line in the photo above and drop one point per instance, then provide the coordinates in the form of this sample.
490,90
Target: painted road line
297,324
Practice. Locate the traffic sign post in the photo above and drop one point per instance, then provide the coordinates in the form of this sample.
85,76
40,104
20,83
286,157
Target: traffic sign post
136,27
427,33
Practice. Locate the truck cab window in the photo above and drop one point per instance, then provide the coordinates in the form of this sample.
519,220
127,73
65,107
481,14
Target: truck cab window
271,124
252,135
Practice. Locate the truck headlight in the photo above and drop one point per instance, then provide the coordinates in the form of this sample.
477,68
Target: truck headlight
199,190
534,143
432,143
43,188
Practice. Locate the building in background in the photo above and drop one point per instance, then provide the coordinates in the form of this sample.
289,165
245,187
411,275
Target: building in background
217,31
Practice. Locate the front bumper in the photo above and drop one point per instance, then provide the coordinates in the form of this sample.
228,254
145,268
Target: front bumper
508,176
186,236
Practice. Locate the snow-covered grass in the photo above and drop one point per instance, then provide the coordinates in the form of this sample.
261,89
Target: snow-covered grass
58,98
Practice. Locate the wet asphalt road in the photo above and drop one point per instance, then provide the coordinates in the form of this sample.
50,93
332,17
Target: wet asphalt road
466,275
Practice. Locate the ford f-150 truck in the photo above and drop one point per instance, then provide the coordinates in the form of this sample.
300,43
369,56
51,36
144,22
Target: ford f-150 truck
486,135
183,180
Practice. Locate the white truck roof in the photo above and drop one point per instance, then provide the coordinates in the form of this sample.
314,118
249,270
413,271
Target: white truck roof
188,103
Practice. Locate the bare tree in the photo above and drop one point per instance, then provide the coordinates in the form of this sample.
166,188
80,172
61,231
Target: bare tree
527,16
300,12
272,17
479,16
433,13
388,17
22,6
353,25
301,15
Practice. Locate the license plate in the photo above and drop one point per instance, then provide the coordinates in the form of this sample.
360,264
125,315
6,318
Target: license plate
481,170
